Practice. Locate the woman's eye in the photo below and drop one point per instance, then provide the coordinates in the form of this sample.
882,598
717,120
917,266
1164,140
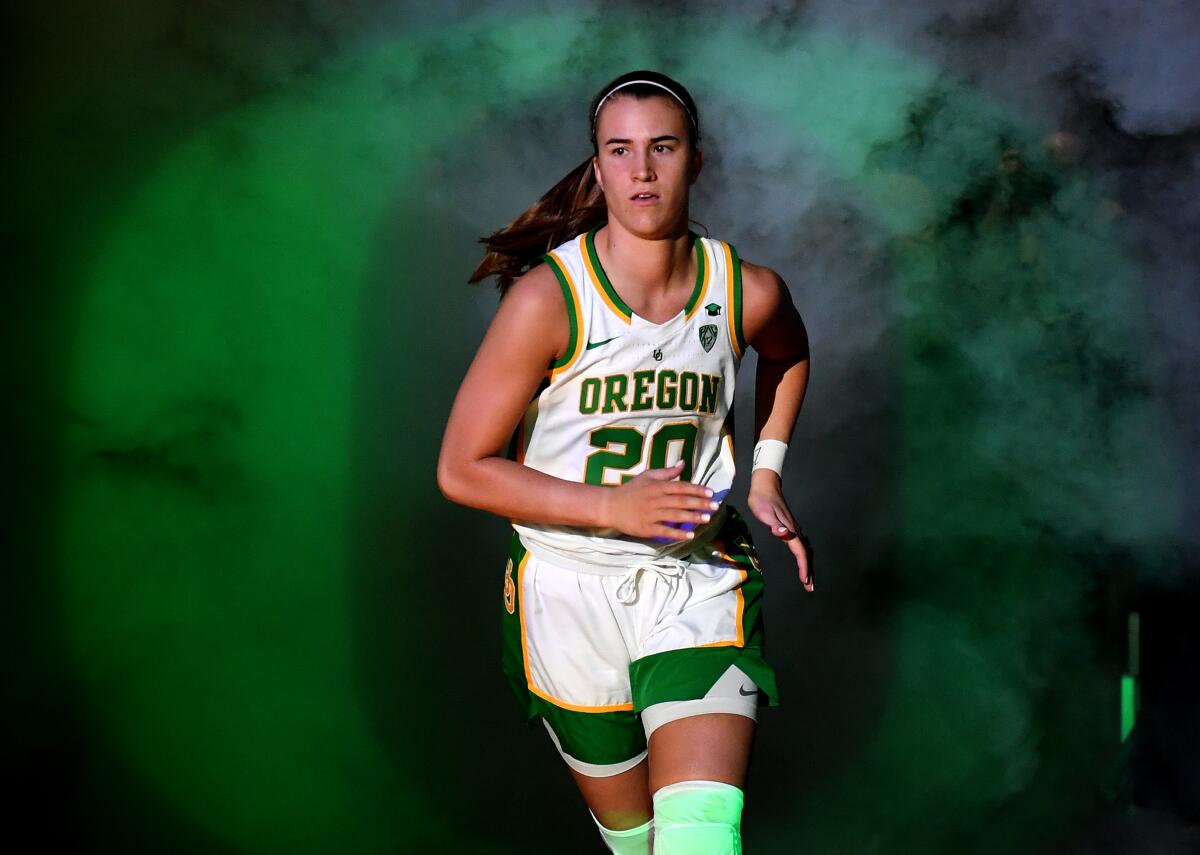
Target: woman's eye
618,148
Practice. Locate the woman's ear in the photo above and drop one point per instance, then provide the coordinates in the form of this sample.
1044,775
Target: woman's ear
596,172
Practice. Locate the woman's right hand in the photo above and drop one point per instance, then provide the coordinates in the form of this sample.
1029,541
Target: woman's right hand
643,505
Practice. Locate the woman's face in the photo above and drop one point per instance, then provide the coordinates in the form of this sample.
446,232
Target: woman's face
643,149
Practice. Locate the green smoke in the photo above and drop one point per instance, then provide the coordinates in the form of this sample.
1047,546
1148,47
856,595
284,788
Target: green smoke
211,467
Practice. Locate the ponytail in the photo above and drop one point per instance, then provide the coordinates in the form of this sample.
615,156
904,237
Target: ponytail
576,203
573,205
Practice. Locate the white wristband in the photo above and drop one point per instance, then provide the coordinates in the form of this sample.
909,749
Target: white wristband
768,454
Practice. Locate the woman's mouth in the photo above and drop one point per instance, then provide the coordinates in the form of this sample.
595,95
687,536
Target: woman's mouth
644,199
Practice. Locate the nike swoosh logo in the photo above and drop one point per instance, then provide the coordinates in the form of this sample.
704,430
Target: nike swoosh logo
592,344
742,691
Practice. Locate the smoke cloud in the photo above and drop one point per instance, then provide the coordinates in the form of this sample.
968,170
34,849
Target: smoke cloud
255,226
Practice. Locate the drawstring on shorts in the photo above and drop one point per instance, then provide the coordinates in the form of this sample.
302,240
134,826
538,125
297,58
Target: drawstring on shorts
673,570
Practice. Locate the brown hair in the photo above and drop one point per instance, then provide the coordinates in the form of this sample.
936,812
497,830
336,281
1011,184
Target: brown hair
575,204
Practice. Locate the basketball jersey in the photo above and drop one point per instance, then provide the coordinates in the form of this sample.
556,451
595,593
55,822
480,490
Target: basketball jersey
630,395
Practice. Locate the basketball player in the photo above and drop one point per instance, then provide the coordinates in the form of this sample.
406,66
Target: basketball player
597,417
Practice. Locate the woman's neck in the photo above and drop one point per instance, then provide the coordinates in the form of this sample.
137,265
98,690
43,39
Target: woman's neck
654,277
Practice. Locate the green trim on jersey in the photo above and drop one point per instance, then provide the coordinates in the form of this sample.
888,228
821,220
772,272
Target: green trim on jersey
701,275
736,308
590,245
571,319
626,312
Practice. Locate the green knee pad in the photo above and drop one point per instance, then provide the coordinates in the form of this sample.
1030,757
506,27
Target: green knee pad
698,818
633,841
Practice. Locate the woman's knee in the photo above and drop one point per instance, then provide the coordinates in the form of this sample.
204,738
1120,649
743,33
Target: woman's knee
617,802
698,816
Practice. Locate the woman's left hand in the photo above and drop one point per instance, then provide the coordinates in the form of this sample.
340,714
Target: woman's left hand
767,504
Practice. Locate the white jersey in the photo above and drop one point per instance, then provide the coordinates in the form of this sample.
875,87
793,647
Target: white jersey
630,395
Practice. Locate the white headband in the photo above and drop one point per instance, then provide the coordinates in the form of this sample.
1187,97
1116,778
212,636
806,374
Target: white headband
650,82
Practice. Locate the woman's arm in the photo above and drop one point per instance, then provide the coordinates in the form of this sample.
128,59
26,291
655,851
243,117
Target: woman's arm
775,330
528,332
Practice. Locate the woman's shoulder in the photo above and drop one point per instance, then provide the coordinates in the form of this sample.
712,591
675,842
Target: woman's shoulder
537,289
759,282
760,279
532,310
760,275
764,294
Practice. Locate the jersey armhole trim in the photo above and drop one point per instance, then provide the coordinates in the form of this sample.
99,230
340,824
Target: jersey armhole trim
701,286
733,298
574,315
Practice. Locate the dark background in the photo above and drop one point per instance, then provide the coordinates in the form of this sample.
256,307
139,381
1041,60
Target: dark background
240,616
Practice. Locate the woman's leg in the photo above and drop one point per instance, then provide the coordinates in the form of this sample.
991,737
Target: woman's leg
708,747
620,801
617,794
697,768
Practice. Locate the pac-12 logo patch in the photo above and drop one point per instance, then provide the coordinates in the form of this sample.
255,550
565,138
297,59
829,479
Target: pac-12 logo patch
708,336
510,589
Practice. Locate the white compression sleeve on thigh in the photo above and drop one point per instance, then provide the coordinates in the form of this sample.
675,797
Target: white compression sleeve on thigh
694,817
633,841
734,693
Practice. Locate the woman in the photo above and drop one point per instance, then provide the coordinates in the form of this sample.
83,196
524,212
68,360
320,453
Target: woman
597,417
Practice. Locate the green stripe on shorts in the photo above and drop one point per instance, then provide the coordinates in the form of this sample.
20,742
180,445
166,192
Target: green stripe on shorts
602,738
605,738
686,674
512,662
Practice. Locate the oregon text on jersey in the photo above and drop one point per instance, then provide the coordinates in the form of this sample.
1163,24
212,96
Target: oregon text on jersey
661,389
